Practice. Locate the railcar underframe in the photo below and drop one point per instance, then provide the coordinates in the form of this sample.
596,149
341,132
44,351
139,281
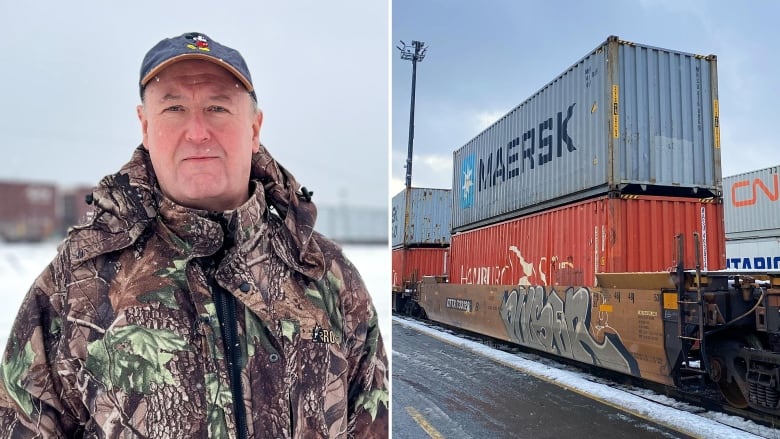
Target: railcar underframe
683,328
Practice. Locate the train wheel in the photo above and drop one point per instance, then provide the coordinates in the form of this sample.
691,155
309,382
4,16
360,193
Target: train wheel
733,394
728,388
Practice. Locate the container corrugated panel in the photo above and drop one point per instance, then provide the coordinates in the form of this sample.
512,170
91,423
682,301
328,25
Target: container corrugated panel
426,218
627,117
753,204
570,244
28,211
411,264
753,254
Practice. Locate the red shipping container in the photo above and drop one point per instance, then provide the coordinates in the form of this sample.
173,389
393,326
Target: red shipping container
28,211
570,244
411,264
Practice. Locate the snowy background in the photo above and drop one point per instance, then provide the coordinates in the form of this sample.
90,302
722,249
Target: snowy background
20,264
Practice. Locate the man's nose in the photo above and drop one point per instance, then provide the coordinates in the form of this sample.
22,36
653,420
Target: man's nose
197,128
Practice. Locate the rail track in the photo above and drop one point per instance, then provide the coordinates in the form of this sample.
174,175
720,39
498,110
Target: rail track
699,399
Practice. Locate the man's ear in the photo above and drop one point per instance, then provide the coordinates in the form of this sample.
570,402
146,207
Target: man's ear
256,124
144,123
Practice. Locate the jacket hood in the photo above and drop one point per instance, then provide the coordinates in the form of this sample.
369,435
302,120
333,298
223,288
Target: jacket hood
126,206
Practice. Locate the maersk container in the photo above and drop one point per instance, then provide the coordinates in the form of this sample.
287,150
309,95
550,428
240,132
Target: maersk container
626,118
569,245
753,204
756,254
421,217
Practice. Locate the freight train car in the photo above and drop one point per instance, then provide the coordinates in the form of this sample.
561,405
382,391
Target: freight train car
28,211
719,328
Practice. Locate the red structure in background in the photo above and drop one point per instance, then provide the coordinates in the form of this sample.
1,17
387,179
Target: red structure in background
33,212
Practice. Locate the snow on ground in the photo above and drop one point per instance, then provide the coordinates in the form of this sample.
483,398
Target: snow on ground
373,262
20,264
641,404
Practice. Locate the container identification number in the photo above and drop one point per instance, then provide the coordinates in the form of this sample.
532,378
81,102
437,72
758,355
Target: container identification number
459,304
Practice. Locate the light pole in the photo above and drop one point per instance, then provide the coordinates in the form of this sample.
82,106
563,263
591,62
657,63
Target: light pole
414,53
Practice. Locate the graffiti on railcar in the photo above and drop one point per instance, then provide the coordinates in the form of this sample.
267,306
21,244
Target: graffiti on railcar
545,321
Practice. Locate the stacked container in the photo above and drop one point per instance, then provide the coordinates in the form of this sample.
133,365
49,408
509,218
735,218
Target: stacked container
592,152
753,220
568,245
420,234
28,211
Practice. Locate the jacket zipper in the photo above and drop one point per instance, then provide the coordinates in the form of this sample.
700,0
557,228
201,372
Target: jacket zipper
225,305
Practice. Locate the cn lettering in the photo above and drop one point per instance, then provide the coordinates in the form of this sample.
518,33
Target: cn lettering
746,193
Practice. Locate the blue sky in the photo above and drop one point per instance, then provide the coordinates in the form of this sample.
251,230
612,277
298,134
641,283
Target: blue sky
485,58
70,74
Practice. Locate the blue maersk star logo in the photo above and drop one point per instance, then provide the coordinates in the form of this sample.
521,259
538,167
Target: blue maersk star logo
467,182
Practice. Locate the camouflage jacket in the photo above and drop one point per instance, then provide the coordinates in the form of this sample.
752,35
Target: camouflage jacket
119,338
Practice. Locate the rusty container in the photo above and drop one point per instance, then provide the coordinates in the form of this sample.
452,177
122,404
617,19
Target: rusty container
411,264
420,217
28,211
569,245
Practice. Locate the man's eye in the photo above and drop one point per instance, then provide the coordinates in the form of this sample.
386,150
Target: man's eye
174,108
217,109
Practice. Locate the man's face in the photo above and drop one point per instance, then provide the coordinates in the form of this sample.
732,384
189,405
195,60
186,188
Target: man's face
200,128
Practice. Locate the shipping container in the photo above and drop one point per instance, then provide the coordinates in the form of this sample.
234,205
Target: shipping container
626,118
756,254
28,211
421,217
752,204
411,264
75,208
570,244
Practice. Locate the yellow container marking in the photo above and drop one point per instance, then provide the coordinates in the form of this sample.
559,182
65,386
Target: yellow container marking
670,301
615,115
605,308
423,423
716,123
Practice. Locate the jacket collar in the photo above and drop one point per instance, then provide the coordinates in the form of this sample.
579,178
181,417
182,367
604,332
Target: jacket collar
128,202
199,233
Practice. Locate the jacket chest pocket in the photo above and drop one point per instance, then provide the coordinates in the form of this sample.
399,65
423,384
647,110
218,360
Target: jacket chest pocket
319,371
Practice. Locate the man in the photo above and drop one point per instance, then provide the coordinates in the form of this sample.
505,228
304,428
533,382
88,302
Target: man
198,302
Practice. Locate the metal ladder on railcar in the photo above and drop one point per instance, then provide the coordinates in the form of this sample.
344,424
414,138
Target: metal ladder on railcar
684,306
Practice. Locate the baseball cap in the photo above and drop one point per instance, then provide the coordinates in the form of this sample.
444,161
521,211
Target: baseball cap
194,45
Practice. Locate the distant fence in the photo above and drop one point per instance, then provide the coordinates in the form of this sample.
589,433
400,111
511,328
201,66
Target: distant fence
353,225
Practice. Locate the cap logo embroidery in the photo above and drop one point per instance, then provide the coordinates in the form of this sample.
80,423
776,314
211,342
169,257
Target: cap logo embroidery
200,43
321,335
